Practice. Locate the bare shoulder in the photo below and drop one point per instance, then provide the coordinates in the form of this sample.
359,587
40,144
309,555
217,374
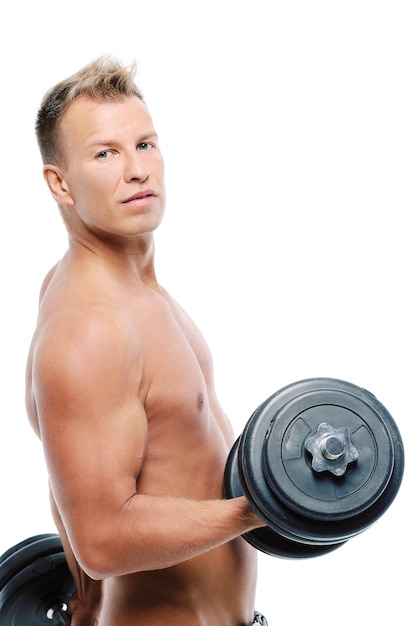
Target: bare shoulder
81,340
82,326
46,281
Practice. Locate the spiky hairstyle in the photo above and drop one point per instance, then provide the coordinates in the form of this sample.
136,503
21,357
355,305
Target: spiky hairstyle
103,79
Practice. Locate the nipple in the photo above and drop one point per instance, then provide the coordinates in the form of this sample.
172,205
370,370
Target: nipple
200,401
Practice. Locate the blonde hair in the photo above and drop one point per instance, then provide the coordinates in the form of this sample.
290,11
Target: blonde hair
103,79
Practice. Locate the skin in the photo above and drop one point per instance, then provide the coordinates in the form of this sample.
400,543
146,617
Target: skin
120,391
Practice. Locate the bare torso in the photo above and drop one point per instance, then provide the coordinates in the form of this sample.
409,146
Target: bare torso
187,441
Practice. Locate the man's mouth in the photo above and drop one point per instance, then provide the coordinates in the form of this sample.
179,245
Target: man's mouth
140,195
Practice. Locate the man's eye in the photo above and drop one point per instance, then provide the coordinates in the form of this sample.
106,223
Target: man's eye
103,154
145,145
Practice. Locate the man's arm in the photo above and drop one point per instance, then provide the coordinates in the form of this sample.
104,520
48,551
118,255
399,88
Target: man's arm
94,431
85,603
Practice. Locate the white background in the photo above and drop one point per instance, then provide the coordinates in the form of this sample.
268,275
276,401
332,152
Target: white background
289,134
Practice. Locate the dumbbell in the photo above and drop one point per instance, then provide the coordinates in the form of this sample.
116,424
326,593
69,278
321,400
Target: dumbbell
319,461
35,583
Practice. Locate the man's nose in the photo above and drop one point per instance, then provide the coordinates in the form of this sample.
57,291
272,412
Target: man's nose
136,167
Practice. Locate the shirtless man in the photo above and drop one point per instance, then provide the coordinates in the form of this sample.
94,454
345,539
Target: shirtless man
120,384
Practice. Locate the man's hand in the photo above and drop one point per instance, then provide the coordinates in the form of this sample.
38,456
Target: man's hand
84,613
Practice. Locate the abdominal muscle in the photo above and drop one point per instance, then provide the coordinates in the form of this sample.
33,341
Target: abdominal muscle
214,589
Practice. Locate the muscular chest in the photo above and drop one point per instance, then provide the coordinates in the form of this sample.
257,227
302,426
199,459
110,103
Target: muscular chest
177,365
185,448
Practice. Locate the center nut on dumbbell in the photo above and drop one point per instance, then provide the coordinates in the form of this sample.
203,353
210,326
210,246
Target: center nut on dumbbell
331,449
319,461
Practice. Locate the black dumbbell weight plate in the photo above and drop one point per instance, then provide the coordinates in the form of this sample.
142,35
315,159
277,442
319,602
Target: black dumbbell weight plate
265,539
277,477
323,495
25,552
22,544
36,579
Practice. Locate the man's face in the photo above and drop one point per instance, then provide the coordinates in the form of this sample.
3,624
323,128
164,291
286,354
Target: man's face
112,166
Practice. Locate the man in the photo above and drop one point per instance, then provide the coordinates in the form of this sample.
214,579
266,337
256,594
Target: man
120,384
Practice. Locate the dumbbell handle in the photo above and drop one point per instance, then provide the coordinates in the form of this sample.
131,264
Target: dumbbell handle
58,615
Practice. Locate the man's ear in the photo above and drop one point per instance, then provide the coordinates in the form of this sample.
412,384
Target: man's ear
57,184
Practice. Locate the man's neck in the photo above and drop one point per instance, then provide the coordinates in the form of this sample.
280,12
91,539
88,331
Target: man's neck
129,259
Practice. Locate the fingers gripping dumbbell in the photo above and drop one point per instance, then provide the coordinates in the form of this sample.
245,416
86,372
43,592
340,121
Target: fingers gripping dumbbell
319,461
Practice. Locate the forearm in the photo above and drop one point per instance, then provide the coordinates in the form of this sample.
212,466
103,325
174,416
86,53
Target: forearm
154,533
